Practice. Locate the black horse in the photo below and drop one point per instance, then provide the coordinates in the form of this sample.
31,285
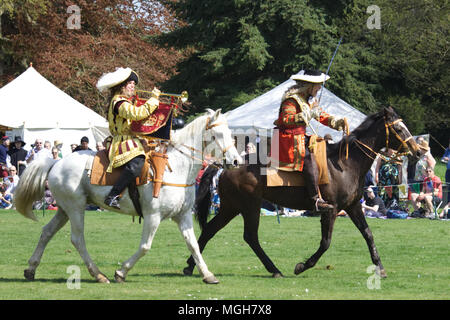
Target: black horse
242,190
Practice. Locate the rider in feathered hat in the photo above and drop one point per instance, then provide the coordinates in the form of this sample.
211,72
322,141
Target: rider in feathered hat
298,107
125,150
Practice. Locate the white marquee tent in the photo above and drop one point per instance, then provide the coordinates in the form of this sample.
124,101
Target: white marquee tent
32,107
261,112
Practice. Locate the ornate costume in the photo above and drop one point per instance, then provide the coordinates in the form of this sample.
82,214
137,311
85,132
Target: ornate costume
124,145
295,114
124,148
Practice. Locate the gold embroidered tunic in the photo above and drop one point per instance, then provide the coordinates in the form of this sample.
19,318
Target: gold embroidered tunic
125,145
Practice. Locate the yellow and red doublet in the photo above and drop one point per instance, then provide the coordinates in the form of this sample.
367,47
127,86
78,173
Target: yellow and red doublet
295,114
125,145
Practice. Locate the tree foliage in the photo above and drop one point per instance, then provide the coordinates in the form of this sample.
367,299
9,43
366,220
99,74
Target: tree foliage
241,49
112,34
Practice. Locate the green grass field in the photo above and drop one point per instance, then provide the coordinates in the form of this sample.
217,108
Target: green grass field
414,252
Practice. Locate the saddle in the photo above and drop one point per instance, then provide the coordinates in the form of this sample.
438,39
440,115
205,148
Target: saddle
280,178
153,169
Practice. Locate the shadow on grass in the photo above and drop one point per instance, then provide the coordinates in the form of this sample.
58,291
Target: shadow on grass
40,280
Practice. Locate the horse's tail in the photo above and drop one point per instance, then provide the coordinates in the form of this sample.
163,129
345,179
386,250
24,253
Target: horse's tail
203,196
31,186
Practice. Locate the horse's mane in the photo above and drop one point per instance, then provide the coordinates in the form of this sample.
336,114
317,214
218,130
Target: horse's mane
191,129
355,134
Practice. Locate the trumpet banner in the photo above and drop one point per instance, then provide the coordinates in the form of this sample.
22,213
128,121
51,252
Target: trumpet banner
158,125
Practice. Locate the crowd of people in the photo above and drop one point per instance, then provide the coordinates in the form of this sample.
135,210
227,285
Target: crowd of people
14,159
423,190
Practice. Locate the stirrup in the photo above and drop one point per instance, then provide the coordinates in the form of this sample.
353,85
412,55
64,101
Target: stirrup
113,201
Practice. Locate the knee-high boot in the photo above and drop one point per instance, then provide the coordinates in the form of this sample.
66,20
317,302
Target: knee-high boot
131,170
311,175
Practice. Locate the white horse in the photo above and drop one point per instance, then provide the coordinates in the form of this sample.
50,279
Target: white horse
70,185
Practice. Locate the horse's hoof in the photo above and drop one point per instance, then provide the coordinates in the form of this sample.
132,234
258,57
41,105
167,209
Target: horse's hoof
299,268
277,275
101,278
210,280
118,277
187,271
29,274
383,273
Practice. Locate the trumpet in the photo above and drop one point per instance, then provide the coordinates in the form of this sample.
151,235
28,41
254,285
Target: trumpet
183,96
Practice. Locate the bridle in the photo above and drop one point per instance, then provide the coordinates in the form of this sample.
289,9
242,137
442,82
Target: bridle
207,127
389,129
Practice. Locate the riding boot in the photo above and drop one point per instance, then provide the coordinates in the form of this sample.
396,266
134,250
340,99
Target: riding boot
130,171
311,175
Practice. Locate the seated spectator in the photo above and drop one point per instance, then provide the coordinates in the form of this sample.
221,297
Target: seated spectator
4,148
55,153
38,151
84,145
445,214
374,206
18,155
431,194
11,181
5,198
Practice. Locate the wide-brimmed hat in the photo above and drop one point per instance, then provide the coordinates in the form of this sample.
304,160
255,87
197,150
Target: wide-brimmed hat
57,143
308,75
112,79
19,139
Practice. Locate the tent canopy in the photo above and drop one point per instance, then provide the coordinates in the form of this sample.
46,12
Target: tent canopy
35,108
32,101
261,112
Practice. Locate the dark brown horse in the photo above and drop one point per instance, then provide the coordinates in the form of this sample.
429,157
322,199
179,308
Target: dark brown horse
242,190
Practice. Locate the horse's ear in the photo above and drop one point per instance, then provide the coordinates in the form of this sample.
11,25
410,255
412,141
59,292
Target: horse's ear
389,112
210,111
217,114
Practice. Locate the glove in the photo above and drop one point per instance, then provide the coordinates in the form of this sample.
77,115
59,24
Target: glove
153,103
155,93
299,118
339,124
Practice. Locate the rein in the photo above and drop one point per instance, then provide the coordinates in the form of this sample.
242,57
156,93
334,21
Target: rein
194,150
388,126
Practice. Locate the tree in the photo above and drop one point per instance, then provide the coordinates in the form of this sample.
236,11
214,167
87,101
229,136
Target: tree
111,34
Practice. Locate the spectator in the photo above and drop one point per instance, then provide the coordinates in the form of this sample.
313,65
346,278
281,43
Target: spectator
249,149
445,212
18,155
200,174
73,146
58,144
388,175
84,145
4,148
431,193
47,145
55,153
38,151
11,181
5,198
99,146
425,161
374,206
